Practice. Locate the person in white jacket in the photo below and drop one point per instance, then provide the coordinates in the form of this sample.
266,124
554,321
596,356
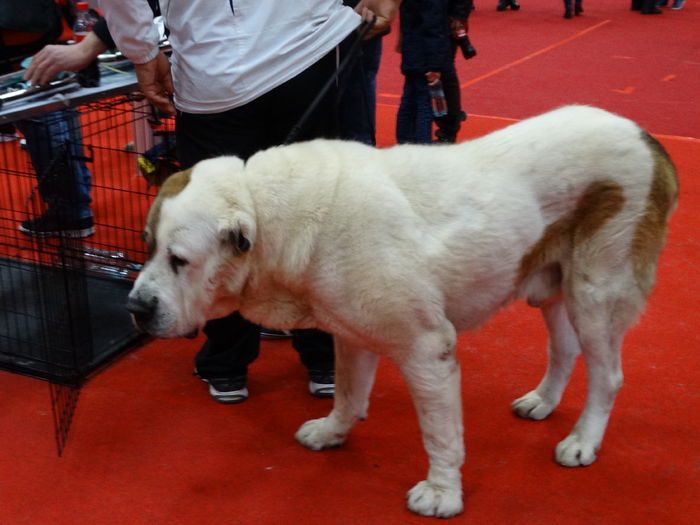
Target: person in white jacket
241,75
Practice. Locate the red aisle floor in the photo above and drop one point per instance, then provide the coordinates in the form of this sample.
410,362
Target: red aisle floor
148,446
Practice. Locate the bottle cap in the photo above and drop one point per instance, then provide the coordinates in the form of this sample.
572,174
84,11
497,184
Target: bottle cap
82,6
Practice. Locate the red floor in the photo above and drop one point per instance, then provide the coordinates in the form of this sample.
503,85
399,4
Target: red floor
148,446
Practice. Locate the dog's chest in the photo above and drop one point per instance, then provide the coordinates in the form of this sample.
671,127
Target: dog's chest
276,308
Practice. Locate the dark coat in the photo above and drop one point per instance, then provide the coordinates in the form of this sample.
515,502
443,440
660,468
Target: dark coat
426,44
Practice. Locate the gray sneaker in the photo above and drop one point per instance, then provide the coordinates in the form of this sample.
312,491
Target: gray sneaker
228,390
322,383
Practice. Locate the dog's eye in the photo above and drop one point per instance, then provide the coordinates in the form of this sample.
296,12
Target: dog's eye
177,262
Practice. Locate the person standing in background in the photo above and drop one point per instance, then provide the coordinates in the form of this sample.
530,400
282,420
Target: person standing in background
575,9
53,140
240,77
426,53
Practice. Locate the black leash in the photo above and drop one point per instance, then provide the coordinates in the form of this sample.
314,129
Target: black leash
352,55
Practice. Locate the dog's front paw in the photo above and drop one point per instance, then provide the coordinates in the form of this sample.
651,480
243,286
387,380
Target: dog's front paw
532,406
574,451
428,499
318,434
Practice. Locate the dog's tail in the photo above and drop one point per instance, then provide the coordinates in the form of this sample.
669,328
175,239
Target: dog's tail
651,231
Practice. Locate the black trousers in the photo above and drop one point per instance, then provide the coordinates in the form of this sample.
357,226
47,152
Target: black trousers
233,342
448,125
643,5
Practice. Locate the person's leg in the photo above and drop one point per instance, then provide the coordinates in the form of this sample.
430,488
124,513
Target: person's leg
55,146
406,116
286,105
232,342
414,121
357,104
424,112
448,125
568,11
649,8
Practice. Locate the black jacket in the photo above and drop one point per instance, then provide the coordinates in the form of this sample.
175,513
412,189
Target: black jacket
426,43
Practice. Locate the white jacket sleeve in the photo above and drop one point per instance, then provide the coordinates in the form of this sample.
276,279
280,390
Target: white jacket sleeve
130,23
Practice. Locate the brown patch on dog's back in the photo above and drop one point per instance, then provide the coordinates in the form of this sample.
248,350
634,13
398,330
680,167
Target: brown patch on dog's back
650,233
171,187
601,201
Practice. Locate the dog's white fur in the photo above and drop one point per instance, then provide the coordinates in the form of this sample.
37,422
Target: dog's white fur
395,250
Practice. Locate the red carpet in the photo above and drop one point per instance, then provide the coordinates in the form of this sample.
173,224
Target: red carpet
148,446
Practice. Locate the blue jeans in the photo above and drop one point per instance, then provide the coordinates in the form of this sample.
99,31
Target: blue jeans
414,122
55,146
359,99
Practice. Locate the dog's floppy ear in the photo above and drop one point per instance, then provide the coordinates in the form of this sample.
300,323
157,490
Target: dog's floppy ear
238,232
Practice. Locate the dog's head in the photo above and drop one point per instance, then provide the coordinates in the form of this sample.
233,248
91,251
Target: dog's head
200,231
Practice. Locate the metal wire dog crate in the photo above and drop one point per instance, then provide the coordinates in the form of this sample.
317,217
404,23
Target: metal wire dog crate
62,313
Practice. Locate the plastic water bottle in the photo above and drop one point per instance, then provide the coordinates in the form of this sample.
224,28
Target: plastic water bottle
437,97
84,20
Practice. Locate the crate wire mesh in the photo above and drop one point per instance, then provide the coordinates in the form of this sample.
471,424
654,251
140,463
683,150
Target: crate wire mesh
62,312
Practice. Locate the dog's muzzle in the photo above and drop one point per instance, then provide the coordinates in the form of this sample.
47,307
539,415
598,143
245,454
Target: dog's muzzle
144,313
141,310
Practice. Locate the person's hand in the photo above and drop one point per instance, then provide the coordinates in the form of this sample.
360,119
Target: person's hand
156,82
51,60
384,10
433,77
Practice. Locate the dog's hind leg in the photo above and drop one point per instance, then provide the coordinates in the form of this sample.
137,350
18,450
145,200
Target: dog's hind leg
433,376
354,378
563,350
601,317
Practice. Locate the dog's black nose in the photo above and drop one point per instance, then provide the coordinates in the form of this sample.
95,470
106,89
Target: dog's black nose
142,311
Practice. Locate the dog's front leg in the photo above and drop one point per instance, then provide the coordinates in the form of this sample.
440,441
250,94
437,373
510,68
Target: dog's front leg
433,376
354,377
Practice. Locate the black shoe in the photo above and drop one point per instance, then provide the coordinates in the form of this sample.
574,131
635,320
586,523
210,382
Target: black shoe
567,13
228,390
53,225
652,11
578,9
322,383
502,5
443,137
514,5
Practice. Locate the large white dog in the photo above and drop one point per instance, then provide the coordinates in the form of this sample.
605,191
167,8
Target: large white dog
395,250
